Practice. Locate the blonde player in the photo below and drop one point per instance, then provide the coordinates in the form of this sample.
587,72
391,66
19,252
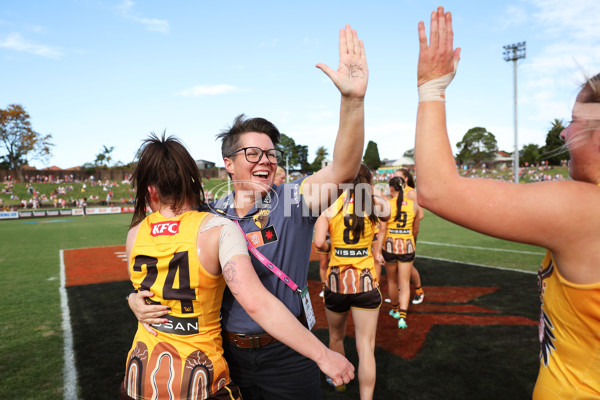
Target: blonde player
562,216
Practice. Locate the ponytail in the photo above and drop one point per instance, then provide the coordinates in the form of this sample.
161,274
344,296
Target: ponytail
397,184
362,182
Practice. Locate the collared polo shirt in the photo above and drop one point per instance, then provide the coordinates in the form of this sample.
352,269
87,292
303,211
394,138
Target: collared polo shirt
281,227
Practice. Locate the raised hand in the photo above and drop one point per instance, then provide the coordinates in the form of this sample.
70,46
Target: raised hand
439,58
352,74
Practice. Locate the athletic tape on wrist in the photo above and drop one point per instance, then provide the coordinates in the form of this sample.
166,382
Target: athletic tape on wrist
435,89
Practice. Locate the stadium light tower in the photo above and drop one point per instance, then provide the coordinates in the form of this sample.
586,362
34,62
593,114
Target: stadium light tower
514,52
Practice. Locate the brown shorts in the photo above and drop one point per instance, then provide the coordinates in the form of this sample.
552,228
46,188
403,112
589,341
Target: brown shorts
393,258
340,303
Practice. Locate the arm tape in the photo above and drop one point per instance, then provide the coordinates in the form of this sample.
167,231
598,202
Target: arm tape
435,89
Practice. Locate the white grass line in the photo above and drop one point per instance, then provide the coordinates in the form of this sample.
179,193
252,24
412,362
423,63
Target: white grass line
70,372
484,248
479,265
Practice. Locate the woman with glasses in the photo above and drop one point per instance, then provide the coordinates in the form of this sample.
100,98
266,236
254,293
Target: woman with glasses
278,222
182,259
255,154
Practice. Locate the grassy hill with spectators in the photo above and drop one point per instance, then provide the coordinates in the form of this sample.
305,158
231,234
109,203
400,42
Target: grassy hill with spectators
527,174
12,194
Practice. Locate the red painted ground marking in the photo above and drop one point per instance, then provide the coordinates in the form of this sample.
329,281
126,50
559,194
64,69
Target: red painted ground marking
443,305
454,294
421,318
95,265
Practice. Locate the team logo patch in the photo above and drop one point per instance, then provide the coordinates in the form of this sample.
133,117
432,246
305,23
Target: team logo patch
261,218
165,228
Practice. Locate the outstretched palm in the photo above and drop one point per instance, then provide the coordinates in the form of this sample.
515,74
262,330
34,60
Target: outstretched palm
352,74
439,57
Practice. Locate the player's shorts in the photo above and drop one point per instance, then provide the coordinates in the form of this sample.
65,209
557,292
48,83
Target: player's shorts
341,303
393,258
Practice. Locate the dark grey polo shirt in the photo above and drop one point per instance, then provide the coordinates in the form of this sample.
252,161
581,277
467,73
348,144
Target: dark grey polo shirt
282,226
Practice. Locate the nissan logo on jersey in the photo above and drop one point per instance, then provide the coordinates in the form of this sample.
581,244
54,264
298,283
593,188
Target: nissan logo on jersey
165,228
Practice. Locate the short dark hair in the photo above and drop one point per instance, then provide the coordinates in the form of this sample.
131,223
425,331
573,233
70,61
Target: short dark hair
241,124
167,165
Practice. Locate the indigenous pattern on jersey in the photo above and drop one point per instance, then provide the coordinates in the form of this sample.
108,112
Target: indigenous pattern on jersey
399,237
569,333
185,360
351,264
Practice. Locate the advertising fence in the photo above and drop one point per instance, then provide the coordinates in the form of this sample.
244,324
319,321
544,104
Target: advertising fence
57,213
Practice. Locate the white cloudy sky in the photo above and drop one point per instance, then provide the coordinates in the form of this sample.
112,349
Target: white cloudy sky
99,73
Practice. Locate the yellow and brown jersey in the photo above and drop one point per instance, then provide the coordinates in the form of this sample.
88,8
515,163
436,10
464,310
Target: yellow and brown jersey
351,264
185,360
399,238
569,333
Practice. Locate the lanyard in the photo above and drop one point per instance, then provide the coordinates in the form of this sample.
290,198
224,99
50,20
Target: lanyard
280,274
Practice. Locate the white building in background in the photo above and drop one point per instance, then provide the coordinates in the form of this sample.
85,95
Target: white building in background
203,164
389,166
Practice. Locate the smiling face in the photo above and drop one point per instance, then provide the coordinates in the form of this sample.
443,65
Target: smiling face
256,177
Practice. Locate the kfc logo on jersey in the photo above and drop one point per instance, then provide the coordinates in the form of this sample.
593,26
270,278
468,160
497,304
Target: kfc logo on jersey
165,228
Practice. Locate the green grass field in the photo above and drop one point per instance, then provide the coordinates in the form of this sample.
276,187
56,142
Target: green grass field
31,339
439,238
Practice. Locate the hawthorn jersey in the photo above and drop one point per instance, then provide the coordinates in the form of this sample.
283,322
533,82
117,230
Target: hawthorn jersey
351,264
569,333
185,360
399,238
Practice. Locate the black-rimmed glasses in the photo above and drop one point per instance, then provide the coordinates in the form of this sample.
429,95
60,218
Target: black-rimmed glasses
255,154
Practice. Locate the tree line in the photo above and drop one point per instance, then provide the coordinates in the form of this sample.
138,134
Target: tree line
21,145
478,145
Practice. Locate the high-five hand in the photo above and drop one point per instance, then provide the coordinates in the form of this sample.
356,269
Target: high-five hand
352,74
439,58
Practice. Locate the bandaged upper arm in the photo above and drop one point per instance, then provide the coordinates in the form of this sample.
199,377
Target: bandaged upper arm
231,241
